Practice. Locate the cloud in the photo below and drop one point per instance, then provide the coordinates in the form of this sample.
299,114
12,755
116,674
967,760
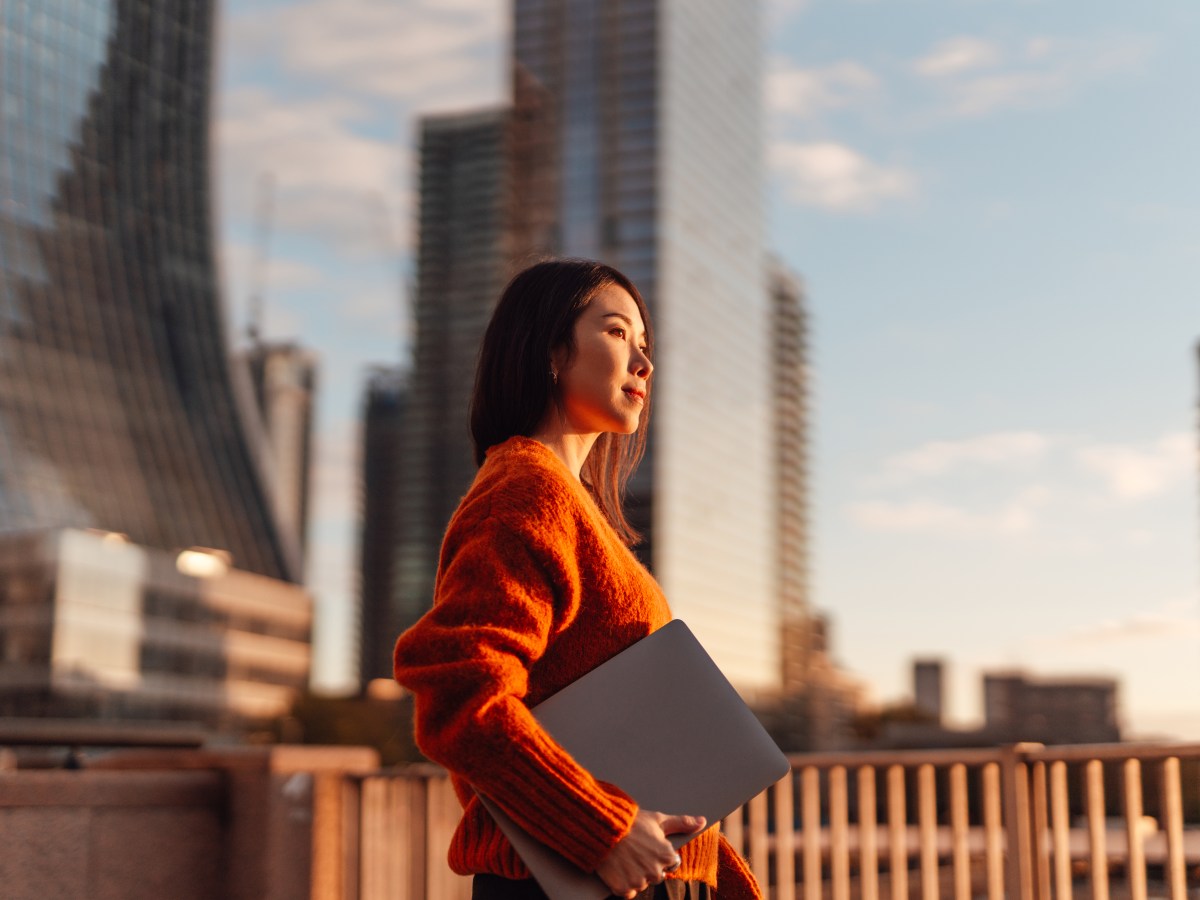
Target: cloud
330,176
1018,482
1004,449
1142,471
1040,72
931,516
435,53
959,54
1174,620
805,93
835,177
780,11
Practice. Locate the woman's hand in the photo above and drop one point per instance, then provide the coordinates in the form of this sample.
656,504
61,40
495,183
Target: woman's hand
644,855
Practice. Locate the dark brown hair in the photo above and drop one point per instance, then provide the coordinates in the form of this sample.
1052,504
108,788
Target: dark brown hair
536,315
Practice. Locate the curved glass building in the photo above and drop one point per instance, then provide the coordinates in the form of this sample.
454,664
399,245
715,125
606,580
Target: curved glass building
118,407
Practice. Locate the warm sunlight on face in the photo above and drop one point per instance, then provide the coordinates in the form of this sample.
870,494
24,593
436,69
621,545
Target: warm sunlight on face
603,387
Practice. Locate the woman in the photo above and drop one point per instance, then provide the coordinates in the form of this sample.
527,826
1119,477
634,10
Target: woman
536,586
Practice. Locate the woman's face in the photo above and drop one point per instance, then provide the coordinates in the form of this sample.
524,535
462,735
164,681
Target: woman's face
604,386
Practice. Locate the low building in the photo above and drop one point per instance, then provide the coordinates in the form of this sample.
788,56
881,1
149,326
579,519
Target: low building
92,626
1051,710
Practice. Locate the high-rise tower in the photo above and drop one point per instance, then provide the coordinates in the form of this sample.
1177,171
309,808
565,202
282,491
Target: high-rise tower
641,128
462,263
117,402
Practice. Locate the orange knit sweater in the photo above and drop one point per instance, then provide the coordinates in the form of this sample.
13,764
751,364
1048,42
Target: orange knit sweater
534,589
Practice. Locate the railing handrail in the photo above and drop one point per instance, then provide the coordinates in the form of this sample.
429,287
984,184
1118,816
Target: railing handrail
977,756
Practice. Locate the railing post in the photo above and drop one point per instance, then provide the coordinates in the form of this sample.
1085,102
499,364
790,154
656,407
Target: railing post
1019,862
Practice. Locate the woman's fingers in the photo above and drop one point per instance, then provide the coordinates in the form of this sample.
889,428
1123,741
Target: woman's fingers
644,856
681,824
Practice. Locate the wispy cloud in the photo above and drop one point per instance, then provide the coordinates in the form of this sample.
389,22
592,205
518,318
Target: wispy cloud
956,55
1174,620
836,177
1018,516
436,54
936,458
976,77
805,93
1139,471
330,176
1019,482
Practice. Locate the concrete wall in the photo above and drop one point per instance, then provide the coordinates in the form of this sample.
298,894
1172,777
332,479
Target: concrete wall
235,824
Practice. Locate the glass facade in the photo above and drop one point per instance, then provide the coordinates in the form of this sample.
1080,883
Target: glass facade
462,265
118,407
654,163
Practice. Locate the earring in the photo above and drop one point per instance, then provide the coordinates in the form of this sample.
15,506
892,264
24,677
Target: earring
554,377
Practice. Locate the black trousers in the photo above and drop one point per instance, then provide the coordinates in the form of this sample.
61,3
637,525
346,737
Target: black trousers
493,887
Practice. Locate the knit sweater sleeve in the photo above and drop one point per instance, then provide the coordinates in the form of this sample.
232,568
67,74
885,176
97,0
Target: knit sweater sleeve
499,600
735,881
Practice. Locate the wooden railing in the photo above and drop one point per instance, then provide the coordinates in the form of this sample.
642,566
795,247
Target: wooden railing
1027,821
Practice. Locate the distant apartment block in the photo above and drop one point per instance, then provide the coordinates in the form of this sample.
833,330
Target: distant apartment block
1017,707
928,689
1051,710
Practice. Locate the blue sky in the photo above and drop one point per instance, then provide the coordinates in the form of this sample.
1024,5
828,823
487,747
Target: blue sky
993,206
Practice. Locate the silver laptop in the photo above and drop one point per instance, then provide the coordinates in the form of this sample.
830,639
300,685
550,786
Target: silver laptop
660,721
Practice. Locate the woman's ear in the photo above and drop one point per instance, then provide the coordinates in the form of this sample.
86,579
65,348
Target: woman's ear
558,361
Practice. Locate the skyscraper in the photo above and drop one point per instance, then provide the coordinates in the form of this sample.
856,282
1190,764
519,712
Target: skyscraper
642,126
117,403
119,411
462,264
385,400
635,137
789,379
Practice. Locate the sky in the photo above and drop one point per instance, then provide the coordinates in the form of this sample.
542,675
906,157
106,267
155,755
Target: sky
993,206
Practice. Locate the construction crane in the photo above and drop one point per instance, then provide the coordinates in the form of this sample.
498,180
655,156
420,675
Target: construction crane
261,255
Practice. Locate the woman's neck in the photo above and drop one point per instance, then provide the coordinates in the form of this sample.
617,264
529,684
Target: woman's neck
571,448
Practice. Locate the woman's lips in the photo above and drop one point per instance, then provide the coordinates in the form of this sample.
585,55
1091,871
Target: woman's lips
637,395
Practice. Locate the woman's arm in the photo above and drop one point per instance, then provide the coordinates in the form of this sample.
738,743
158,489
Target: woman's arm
467,663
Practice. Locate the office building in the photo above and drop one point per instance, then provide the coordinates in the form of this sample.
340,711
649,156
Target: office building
789,379
928,689
95,627
385,399
462,265
641,128
119,410
1050,710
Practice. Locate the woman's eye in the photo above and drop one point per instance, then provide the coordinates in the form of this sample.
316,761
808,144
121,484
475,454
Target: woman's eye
618,331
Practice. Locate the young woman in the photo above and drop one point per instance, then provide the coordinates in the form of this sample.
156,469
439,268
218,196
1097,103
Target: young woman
536,586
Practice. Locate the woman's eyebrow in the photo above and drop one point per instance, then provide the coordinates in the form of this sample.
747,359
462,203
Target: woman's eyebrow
624,318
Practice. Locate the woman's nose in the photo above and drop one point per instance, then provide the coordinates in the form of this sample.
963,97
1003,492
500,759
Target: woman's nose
642,367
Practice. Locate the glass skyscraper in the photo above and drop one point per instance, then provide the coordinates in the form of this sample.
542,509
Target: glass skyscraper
462,265
642,125
117,401
146,571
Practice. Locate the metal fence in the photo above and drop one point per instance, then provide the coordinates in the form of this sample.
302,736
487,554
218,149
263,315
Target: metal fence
1113,822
